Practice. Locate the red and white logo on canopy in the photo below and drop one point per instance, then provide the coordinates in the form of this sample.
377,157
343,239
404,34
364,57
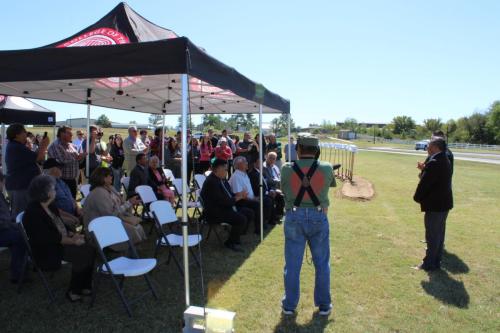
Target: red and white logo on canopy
2,98
101,37
204,88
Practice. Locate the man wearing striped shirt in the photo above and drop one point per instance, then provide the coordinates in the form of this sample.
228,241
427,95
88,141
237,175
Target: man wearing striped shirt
66,153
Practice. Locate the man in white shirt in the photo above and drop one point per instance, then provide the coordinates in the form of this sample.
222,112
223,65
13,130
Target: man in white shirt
78,140
240,183
132,146
271,170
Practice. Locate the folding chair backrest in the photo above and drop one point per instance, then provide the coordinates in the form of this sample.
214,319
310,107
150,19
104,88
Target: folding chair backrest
163,211
199,179
146,193
108,230
125,181
168,174
85,189
177,182
19,217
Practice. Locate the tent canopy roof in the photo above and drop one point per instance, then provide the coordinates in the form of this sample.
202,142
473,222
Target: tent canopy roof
126,62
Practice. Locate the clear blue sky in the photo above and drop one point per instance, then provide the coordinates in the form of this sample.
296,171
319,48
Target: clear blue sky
371,60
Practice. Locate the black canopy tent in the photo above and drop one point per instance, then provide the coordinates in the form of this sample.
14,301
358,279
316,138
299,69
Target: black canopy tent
137,66
15,109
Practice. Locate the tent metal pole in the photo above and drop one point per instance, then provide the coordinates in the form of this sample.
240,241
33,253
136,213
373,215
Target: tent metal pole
185,105
87,157
289,121
261,189
4,149
163,141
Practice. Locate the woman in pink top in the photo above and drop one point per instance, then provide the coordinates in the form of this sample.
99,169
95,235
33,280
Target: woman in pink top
223,151
158,181
206,151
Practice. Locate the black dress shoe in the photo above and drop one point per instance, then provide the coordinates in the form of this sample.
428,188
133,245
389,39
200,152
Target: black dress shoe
233,247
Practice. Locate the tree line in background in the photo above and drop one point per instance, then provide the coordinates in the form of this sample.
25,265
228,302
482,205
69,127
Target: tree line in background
480,127
236,122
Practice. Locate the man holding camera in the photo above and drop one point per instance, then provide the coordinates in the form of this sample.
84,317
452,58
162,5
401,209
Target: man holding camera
305,184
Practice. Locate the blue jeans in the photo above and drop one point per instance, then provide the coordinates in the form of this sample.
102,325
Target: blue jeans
117,177
311,226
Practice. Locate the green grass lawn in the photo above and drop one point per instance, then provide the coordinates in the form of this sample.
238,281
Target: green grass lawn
373,246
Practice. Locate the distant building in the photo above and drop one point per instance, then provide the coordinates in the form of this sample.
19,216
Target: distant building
126,126
75,122
347,135
368,125
82,123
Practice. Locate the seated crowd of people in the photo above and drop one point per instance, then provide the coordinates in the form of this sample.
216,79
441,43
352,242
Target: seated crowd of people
42,181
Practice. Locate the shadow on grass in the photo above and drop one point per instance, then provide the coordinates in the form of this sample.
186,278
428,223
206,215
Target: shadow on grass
446,289
29,311
288,324
453,264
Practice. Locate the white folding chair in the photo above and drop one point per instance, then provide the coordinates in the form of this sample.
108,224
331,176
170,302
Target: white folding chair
85,190
168,174
125,181
192,203
199,180
30,259
107,231
147,196
164,215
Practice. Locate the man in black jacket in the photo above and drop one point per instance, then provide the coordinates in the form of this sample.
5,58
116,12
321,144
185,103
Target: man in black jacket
435,197
219,204
139,175
273,198
449,154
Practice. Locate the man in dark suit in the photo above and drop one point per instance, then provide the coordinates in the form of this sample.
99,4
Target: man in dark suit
219,204
139,175
272,196
449,154
435,197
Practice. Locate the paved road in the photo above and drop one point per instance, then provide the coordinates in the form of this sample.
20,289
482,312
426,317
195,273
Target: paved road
472,157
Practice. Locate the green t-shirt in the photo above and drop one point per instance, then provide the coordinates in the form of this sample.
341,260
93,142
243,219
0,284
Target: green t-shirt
321,181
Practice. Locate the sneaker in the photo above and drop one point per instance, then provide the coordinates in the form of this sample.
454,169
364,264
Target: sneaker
325,311
287,312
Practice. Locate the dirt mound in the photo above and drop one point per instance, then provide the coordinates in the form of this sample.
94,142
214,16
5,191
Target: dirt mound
360,189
